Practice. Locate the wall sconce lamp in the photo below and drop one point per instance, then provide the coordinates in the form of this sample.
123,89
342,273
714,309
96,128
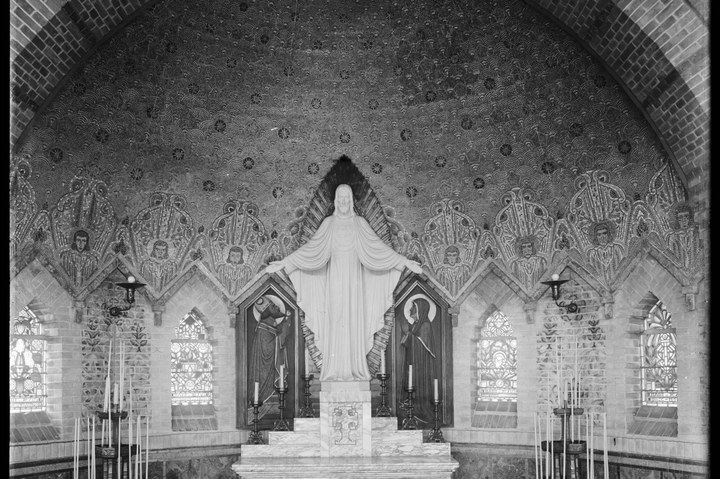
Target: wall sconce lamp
554,284
130,286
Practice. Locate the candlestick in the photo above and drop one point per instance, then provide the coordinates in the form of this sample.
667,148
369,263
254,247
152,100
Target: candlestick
282,376
410,421
281,424
256,396
382,362
410,377
383,410
435,389
255,437
307,410
436,434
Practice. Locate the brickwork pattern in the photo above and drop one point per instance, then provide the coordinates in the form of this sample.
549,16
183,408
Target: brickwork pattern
659,51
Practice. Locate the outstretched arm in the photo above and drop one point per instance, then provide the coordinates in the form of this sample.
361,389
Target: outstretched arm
414,266
275,266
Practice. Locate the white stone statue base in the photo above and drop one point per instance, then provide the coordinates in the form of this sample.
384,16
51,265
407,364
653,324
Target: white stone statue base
345,442
345,419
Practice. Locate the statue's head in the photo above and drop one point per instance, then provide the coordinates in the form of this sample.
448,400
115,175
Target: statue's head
344,201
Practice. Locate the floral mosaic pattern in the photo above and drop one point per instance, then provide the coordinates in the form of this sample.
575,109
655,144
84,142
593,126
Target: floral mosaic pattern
492,112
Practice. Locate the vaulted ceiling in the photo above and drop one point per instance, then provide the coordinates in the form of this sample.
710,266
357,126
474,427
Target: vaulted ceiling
657,51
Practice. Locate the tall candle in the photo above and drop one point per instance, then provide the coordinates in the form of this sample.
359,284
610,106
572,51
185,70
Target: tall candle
88,447
592,445
109,376
75,449
547,445
282,375
115,393
552,447
92,450
558,357
147,446
122,375
130,438
138,453
256,396
587,445
564,453
410,376
382,362
537,444
435,390
606,467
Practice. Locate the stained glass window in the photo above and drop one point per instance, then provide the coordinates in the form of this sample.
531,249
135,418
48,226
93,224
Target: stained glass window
659,359
27,364
497,360
191,360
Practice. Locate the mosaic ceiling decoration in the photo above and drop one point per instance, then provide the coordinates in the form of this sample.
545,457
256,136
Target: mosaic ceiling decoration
199,135
221,100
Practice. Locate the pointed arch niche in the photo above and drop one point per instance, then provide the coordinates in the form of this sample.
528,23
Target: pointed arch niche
421,336
268,334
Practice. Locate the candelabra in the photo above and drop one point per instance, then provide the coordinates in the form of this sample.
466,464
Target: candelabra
436,434
114,455
255,437
567,452
307,410
410,421
383,410
281,424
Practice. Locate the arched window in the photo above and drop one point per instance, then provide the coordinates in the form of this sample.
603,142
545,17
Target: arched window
191,376
659,359
27,363
497,360
191,362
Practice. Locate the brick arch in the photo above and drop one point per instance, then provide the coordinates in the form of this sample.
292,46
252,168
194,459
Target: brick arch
659,54
49,41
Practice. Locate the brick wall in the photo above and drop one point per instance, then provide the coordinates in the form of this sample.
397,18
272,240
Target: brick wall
659,52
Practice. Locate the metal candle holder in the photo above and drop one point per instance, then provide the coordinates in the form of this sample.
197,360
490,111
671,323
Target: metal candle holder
255,437
410,421
307,410
383,410
436,434
281,424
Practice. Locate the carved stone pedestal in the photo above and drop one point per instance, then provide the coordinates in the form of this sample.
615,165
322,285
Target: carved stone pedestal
345,442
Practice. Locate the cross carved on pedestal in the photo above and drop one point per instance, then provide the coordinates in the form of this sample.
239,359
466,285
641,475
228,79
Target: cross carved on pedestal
345,421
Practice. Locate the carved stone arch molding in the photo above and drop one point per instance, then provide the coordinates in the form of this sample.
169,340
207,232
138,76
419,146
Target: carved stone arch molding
424,339
249,342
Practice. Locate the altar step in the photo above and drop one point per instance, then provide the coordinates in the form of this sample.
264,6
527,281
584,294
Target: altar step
304,441
356,467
